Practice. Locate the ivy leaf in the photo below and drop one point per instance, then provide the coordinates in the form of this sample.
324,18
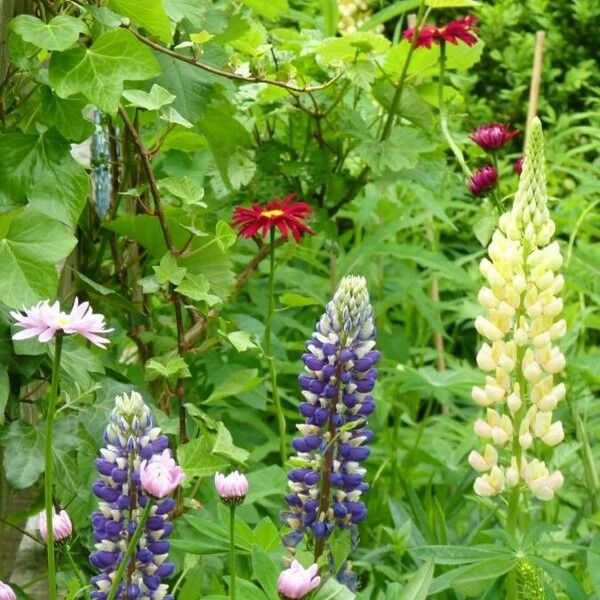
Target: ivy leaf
168,271
241,340
59,33
30,247
98,72
148,14
23,454
197,288
345,49
153,100
185,189
169,366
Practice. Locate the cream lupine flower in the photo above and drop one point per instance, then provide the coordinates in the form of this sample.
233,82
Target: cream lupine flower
354,14
519,355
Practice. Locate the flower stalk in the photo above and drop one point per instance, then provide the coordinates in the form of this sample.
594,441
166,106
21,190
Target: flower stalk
131,548
49,466
232,561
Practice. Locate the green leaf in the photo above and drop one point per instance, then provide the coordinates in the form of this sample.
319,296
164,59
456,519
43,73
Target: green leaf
153,100
194,89
241,381
458,555
270,9
66,115
573,588
183,187
148,14
61,191
417,587
241,340
30,247
345,49
168,271
332,590
4,391
482,573
196,287
267,536
225,235
294,300
23,454
331,16
451,3
390,12
197,459
59,33
266,571
168,366
593,563
99,71
224,446
341,544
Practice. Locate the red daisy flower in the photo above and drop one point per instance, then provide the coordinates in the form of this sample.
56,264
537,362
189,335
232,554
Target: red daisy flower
493,136
286,215
460,29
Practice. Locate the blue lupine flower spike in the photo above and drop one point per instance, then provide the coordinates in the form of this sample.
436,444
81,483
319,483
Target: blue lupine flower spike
130,437
327,479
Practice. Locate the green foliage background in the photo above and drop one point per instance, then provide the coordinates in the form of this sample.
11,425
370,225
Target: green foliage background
389,202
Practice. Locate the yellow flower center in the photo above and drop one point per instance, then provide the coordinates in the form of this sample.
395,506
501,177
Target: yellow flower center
270,214
63,321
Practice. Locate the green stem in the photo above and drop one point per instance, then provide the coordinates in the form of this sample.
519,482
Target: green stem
76,570
232,568
133,542
269,353
444,116
49,467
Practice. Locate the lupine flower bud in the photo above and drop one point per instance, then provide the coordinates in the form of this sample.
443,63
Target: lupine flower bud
7,593
327,481
132,439
521,362
101,164
529,582
61,526
232,488
483,180
297,582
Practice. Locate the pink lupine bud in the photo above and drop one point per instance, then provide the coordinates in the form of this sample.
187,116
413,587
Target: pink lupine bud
6,592
61,526
232,488
161,475
296,582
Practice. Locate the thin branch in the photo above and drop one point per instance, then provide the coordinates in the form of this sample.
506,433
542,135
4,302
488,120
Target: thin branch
228,74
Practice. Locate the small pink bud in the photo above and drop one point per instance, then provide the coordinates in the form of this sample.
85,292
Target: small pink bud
6,592
232,488
492,136
61,526
296,582
483,180
161,475
518,166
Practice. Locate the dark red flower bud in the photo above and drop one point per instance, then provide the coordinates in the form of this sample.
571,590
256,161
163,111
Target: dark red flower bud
493,136
483,180
518,166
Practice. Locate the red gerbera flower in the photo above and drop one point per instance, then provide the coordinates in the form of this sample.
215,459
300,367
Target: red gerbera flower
460,29
493,136
286,215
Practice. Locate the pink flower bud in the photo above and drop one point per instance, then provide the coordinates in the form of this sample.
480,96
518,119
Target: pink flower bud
518,166
483,180
232,488
161,475
493,136
6,592
61,526
296,582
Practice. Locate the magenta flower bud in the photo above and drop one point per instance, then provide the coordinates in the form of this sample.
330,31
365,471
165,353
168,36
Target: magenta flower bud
161,475
61,526
296,582
493,136
518,166
483,180
232,488
6,592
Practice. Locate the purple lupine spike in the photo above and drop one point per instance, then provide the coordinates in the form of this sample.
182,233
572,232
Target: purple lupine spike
327,481
130,437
